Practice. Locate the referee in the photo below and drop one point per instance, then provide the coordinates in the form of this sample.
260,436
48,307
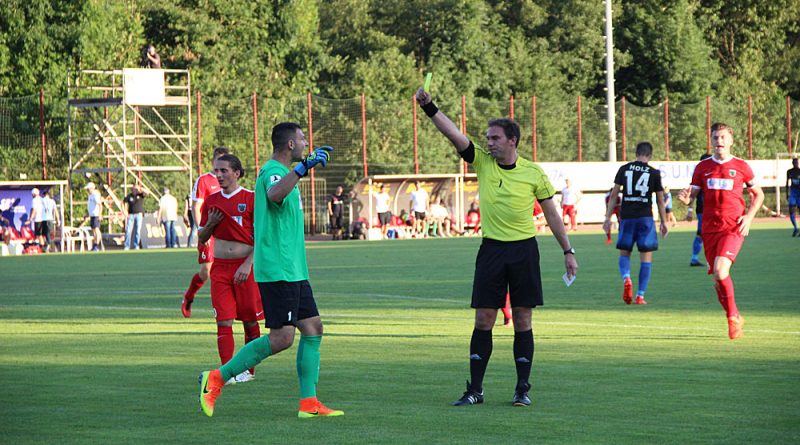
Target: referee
508,259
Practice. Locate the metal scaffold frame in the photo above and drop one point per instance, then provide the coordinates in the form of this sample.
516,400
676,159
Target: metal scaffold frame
113,131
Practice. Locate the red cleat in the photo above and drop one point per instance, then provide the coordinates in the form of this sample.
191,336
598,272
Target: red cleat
639,300
186,307
735,325
627,290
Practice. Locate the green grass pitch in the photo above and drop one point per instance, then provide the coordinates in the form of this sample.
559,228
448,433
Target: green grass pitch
93,349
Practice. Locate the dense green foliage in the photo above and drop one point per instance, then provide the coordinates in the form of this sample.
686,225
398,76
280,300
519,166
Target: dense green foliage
485,50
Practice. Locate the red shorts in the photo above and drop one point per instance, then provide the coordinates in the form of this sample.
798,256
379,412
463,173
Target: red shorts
723,244
239,301
205,252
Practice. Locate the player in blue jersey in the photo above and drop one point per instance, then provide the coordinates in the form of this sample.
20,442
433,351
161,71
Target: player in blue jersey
638,181
793,193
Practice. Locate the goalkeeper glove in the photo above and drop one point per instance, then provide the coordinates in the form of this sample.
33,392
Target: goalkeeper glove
320,155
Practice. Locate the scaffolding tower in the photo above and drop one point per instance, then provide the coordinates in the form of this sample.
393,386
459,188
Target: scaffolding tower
125,127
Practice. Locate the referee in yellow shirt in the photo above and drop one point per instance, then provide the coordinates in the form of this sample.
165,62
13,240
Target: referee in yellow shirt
508,259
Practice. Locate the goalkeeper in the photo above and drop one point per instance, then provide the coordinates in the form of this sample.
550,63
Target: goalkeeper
281,272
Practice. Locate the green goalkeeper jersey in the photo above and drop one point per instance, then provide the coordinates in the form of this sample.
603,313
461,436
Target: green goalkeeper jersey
280,252
507,196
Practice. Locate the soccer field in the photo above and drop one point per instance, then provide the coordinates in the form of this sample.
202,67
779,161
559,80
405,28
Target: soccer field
94,350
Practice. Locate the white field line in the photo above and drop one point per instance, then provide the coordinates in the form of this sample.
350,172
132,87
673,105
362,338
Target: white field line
402,317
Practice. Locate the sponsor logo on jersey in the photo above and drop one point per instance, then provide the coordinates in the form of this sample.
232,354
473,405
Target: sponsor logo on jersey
719,184
238,219
242,207
274,179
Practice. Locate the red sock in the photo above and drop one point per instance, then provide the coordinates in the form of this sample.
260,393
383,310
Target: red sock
507,307
195,286
225,344
726,297
251,334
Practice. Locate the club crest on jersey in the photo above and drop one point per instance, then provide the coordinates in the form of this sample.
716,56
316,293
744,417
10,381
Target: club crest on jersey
242,207
273,179
732,173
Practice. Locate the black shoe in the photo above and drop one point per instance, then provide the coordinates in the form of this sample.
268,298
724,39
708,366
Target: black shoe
696,264
795,232
521,395
470,397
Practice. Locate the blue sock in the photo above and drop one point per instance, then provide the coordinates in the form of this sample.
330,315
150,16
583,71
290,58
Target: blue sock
644,277
696,246
791,218
625,266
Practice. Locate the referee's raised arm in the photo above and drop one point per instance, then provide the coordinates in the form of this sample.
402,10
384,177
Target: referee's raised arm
442,122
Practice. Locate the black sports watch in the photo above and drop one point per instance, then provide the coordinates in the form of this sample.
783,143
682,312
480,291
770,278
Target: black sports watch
570,250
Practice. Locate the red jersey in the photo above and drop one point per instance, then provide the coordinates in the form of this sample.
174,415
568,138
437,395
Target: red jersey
237,225
205,186
722,184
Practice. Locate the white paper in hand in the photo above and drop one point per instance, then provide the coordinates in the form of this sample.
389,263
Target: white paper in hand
568,279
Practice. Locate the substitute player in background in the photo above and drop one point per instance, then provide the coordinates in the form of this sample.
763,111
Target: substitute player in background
227,215
726,219
282,275
508,259
793,193
617,205
203,187
638,181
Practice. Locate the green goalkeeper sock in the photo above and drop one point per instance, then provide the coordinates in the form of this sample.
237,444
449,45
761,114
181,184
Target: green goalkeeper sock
308,365
250,355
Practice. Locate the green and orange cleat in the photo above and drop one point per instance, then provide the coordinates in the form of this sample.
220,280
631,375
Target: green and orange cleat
311,407
210,388
735,325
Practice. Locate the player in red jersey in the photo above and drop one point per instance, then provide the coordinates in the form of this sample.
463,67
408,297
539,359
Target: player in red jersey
227,215
726,219
203,187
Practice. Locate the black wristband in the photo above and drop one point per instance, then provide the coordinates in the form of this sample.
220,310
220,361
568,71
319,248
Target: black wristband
430,109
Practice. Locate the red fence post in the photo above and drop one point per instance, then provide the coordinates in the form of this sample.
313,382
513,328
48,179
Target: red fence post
511,106
414,125
666,128
533,126
708,125
41,134
624,136
750,126
789,124
255,130
199,135
311,149
580,132
364,135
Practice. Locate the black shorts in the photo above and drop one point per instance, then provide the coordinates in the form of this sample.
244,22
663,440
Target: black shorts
39,228
511,266
336,222
286,302
419,216
385,218
94,221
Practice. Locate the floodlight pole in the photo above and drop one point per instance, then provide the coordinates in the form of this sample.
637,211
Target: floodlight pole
612,129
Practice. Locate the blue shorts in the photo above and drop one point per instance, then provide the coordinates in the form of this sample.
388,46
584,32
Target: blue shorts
794,198
699,222
640,231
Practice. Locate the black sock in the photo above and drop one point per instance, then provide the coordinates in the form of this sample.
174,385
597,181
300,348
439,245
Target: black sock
523,355
480,350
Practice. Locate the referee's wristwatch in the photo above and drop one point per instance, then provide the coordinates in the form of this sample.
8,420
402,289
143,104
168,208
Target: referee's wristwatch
571,250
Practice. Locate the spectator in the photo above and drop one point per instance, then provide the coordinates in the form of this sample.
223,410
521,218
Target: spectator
37,210
419,208
50,219
382,208
570,196
94,211
133,226
150,58
167,216
188,220
336,211
473,220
